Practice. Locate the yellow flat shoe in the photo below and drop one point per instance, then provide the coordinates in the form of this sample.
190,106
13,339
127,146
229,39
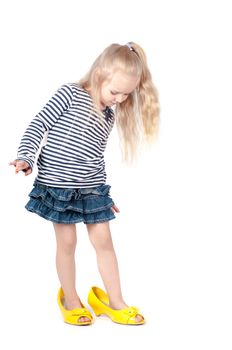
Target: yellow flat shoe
73,316
99,302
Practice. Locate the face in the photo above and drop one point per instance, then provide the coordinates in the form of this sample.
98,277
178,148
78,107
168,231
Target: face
117,89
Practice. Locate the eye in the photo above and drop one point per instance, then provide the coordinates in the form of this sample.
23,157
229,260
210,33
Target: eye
116,93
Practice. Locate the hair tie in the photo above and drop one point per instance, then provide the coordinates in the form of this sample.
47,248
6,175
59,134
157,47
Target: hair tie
130,47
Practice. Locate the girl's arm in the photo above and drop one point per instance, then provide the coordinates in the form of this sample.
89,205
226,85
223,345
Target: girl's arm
42,122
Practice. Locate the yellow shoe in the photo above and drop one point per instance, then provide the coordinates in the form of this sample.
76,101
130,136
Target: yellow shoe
99,302
73,316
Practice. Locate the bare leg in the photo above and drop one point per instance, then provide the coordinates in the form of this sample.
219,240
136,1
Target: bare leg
65,264
101,239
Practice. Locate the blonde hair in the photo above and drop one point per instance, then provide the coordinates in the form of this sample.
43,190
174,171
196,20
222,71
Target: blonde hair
137,117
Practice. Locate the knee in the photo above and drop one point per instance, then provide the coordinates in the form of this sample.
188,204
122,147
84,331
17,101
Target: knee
100,236
67,246
101,243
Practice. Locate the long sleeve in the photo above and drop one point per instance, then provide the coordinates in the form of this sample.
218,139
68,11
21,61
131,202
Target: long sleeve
43,122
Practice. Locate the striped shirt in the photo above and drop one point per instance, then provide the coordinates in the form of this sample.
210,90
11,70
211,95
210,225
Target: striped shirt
72,156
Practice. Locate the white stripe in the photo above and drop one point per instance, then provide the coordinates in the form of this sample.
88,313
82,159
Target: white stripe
73,154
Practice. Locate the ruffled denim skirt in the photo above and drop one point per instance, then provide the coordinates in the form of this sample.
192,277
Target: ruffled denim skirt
70,206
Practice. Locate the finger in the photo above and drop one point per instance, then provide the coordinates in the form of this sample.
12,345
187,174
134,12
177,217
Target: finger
27,171
21,165
18,168
13,163
115,209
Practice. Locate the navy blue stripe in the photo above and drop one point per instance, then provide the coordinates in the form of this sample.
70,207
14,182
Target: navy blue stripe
73,155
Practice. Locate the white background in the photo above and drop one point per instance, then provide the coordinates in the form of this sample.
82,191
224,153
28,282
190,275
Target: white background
173,235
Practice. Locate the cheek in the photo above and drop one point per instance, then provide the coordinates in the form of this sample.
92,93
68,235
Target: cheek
105,94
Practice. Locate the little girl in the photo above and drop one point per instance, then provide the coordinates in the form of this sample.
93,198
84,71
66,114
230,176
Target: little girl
71,183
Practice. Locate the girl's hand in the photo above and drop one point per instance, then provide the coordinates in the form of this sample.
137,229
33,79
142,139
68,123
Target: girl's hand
20,165
115,209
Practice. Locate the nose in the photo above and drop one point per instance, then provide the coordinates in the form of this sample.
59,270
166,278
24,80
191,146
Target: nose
120,98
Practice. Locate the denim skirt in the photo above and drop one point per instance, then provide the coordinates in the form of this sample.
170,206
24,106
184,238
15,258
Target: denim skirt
72,205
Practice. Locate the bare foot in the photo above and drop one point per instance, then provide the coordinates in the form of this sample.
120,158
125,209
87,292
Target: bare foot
122,305
71,305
